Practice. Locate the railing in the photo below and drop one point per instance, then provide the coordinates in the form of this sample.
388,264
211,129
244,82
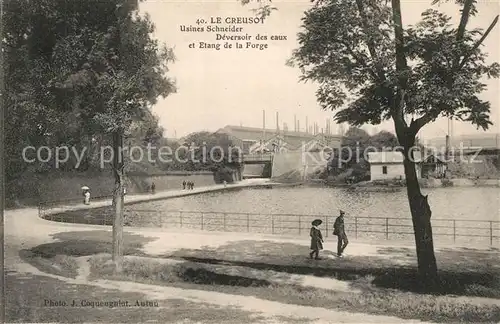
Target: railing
286,224
257,157
45,206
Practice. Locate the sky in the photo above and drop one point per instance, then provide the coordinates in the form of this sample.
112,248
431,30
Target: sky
233,86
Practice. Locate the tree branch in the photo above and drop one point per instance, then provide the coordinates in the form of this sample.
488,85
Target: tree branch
417,124
370,43
464,19
401,65
361,61
479,42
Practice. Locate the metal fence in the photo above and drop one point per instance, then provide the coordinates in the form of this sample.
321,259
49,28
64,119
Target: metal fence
378,228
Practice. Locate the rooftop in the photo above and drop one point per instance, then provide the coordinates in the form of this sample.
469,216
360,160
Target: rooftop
390,157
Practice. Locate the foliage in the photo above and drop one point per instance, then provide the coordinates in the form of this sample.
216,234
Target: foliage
75,71
205,151
384,140
356,142
360,79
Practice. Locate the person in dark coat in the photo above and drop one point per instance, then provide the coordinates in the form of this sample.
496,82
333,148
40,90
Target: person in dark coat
316,239
184,184
339,230
153,188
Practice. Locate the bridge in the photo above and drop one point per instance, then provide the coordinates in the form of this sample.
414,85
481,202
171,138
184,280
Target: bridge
257,165
258,158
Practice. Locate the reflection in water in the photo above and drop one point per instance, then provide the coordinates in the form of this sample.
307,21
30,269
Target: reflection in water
451,203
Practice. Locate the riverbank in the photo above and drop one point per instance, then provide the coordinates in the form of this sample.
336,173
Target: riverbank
267,278
397,185
130,199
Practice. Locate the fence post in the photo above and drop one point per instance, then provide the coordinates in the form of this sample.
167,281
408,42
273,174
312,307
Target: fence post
248,223
356,227
202,221
224,220
272,224
454,231
386,228
491,232
326,227
180,218
300,225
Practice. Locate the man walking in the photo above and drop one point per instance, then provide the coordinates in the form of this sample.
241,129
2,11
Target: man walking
339,230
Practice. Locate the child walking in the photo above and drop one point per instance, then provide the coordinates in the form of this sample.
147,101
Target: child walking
316,239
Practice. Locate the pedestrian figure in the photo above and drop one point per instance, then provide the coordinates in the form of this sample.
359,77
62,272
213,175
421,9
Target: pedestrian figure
225,183
192,185
86,195
316,239
183,184
339,230
153,188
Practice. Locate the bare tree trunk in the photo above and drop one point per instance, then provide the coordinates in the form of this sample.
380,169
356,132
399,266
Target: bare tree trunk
421,217
118,201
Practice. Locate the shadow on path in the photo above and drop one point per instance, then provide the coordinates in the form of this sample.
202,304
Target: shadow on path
461,273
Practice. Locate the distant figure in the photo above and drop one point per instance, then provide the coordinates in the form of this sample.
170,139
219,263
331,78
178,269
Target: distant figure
339,230
184,185
153,188
124,191
316,239
192,185
86,200
225,183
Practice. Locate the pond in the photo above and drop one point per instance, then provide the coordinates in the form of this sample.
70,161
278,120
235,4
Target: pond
458,214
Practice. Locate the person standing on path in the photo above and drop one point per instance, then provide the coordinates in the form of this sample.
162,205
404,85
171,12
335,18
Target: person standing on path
153,188
184,185
339,230
86,200
316,239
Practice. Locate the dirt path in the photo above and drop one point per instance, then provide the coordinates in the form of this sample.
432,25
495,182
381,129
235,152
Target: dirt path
261,307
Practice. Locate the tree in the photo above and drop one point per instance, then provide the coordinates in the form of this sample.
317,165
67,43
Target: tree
211,151
384,140
93,61
371,69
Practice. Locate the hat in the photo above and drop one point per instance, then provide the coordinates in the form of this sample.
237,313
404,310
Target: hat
342,212
316,222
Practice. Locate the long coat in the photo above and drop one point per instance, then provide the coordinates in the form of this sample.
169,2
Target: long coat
338,226
316,239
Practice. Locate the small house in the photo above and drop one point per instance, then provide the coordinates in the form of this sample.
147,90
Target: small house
389,165
434,165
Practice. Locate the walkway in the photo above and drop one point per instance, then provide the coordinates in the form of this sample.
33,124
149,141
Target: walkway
137,198
24,230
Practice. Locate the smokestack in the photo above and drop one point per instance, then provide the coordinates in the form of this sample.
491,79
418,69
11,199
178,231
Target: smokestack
277,122
294,123
298,125
321,130
307,124
447,154
285,128
263,125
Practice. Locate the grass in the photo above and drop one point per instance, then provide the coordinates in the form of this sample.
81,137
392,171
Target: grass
83,243
59,257
372,300
25,303
389,283
61,265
